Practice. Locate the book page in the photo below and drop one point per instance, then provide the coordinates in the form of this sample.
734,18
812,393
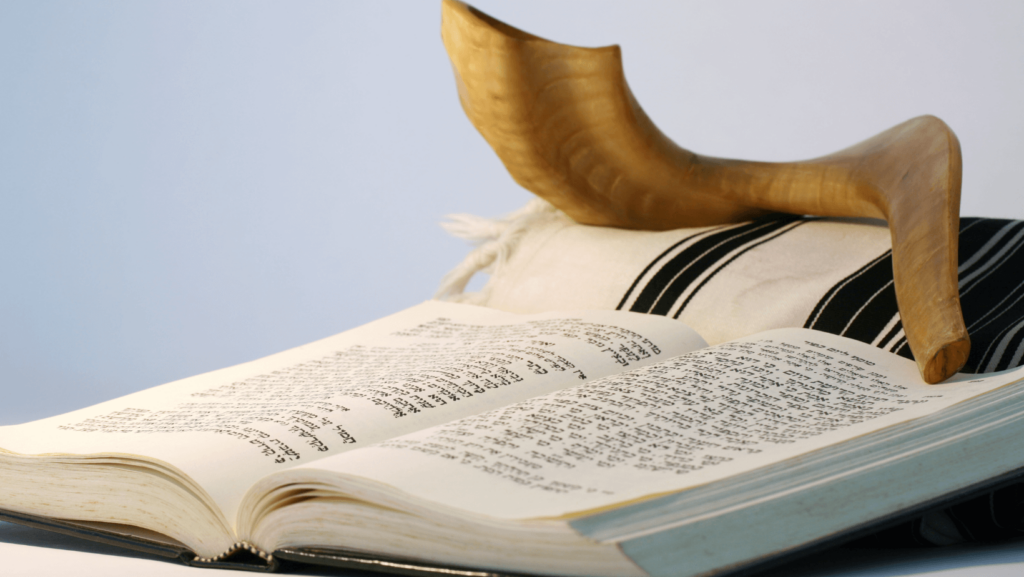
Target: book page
677,424
430,364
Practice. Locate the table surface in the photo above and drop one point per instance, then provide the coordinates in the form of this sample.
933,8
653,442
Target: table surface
27,551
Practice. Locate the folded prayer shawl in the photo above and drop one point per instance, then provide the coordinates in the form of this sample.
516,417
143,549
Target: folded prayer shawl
730,281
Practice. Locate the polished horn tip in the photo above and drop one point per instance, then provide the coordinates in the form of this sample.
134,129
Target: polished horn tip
946,362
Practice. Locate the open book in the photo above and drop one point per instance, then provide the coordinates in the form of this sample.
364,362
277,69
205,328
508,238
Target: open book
461,437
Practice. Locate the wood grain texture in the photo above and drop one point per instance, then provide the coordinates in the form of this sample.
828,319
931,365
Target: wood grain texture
567,127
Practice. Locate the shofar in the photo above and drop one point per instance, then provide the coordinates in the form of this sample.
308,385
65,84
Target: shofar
567,127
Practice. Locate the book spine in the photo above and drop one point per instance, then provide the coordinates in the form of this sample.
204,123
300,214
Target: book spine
241,556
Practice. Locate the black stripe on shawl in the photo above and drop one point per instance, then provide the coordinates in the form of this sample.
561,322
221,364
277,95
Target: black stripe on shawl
693,293
832,292
887,338
991,302
876,314
844,303
665,289
693,256
650,265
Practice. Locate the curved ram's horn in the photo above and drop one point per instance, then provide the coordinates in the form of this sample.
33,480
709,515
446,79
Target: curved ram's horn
567,127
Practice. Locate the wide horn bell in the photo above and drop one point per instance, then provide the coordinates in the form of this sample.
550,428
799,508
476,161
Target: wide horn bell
565,124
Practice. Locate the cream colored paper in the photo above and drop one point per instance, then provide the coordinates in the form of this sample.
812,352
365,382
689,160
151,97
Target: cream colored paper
427,365
681,423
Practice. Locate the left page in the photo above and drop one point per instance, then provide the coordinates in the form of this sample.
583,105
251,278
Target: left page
424,366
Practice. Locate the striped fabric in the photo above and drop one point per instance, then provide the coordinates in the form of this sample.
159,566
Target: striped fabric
669,283
861,306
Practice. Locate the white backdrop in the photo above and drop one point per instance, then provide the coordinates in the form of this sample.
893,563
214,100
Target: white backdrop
188,184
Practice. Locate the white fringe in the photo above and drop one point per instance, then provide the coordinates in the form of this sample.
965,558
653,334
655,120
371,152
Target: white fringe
495,239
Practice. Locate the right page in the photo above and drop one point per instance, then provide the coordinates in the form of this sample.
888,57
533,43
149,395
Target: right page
684,422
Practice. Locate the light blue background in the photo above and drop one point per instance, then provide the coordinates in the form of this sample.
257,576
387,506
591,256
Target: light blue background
189,185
